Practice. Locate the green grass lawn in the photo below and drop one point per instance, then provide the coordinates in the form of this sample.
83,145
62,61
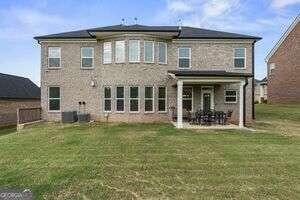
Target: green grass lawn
154,161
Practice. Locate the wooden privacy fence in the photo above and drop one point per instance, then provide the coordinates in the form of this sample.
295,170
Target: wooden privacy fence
25,115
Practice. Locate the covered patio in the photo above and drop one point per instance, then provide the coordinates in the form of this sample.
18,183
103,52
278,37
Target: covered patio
210,105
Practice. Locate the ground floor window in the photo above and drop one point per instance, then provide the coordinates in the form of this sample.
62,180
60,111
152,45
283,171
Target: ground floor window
107,98
230,96
134,100
187,98
149,99
120,99
54,98
162,94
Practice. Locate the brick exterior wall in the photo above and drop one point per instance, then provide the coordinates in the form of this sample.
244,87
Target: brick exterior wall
284,81
8,109
75,83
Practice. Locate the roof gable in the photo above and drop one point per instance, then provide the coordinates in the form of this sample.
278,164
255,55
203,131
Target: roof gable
283,37
16,87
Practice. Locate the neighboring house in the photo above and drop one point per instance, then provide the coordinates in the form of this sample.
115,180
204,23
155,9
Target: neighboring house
283,63
261,90
143,73
16,92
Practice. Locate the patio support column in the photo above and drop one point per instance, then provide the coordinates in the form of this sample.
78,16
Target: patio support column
241,101
179,103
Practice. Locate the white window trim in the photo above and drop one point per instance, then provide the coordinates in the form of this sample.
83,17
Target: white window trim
54,111
111,106
188,98
166,55
162,111
149,98
118,111
123,61
230,102
87,57
234,57
54,57
134,99
139,52
272,67
153,44
190,57
110,60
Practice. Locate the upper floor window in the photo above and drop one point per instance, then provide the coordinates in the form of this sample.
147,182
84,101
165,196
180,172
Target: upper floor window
106,52
149,52
87,57
54,99
134,51
162,52
184,57
54,57
120,52
239,58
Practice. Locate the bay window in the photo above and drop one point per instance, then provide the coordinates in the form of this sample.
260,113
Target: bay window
120,99
149,99
120,52
162,52
134,100
134,51
107,52
149,52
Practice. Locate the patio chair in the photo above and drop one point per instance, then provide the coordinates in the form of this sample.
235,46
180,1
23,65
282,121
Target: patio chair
227,116
193,119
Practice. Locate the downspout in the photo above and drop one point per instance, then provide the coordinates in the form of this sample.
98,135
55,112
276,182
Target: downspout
244,103
253,108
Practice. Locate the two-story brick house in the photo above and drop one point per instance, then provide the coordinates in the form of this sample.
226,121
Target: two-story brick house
140,73
283,67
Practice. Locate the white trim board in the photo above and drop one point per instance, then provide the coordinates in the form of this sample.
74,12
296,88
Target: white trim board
283,37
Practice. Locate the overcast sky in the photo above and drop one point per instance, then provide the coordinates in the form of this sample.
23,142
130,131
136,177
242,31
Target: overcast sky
21,20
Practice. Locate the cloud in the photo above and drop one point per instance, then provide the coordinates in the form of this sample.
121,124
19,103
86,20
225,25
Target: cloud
179,6
23,23
215,8
278,4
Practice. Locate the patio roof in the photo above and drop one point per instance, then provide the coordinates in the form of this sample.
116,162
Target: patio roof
219,73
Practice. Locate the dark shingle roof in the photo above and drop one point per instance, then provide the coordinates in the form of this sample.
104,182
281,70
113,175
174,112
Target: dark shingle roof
184,33
16,87
220,73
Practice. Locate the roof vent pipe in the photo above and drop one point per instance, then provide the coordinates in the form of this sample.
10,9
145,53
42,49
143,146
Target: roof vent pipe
179,24
135,20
